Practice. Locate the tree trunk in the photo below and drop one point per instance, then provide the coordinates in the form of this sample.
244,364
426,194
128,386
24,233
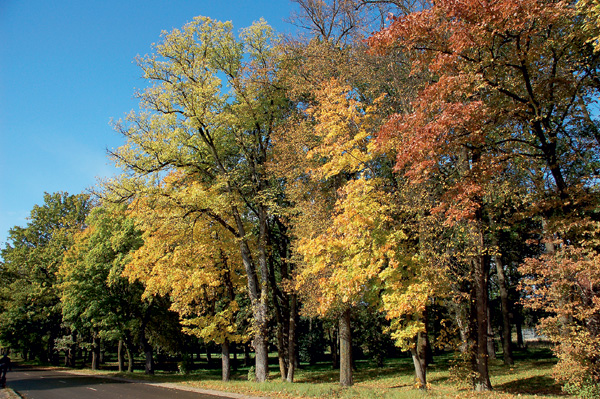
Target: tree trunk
491,348
481,380
418,353
120,356
234,357
128,343
148,355
95,352
71,352
506,330
247,359
519,328
292,340
258,292
130,360
463,326
282,347
261,339
345,349
225,363
208,356
50,349
335,350
149,363
262,357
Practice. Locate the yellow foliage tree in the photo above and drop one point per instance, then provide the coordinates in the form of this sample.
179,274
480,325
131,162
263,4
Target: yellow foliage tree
193,260
356,247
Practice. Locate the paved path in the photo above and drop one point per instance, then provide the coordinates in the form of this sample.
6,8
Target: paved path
51,384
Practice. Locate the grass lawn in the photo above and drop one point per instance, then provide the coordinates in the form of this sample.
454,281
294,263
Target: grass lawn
530,377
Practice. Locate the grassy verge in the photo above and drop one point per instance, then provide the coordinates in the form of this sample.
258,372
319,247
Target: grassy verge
530,377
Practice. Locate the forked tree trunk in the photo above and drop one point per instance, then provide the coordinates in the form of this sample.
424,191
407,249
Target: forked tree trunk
225,363
345,350
418,353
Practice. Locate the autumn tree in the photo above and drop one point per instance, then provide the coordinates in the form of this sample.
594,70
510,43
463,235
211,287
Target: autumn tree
566,284
209,114
31,310
192,260
507,83
345,220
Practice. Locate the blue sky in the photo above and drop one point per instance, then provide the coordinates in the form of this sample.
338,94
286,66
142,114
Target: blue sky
66,69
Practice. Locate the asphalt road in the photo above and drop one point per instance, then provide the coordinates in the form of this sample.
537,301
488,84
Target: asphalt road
49,384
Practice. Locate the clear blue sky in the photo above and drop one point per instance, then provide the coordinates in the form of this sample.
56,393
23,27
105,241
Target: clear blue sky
66,69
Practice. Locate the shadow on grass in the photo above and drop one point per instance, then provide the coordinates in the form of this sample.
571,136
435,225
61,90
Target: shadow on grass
538,385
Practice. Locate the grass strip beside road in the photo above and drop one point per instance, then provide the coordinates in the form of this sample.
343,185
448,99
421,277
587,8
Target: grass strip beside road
530,377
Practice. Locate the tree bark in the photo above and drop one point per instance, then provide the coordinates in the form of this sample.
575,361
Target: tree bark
345,349
506,330
282,345
292,340
120,356
491,347
95,352
257,290
480,295
148,355
519,328
225,363
418,353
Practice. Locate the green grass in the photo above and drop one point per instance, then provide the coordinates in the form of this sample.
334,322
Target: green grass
530,377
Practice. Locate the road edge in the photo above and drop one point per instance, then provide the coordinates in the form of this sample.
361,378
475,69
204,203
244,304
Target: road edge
9,393
172,385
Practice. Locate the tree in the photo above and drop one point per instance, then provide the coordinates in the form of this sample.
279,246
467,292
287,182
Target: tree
348,226
193,261
507,81
96,299
219,140
566,284
31,317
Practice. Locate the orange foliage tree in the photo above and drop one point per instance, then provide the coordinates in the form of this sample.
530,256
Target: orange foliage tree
509,82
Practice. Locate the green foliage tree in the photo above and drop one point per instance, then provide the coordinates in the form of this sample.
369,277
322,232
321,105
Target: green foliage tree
209,114
31,310
96,299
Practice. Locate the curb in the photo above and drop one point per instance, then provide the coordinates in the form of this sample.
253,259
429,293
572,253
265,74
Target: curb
9,393
170,385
